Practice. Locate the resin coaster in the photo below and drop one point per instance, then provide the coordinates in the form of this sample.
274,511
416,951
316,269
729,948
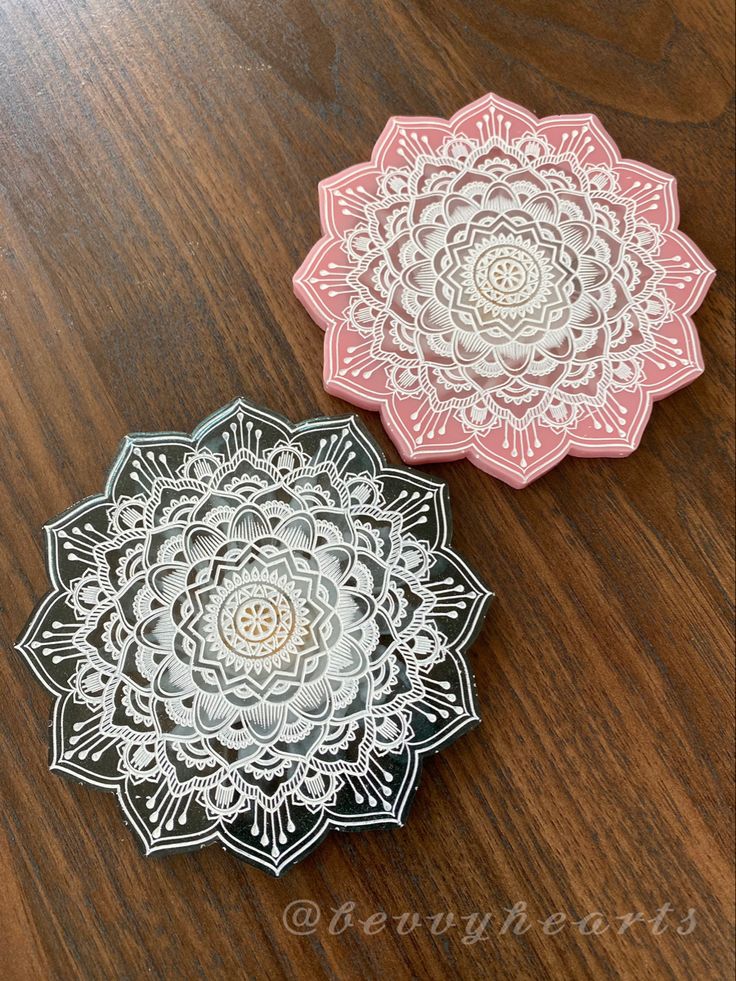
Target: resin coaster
255,634
504,288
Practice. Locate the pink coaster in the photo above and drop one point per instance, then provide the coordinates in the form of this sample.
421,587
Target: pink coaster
504,288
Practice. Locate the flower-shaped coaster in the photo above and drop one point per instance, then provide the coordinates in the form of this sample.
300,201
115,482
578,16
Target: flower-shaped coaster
255,634
504,288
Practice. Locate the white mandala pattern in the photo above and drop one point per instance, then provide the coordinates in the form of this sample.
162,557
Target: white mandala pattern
255,634
507,281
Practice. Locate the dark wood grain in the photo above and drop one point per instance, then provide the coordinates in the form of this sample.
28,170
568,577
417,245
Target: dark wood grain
158,171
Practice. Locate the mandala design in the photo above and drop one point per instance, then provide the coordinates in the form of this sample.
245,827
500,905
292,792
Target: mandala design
255,634
504,288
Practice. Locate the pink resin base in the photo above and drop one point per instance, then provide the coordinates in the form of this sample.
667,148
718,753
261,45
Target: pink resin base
504,288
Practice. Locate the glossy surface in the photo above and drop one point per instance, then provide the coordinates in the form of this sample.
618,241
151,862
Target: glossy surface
158,191
504,288
255,634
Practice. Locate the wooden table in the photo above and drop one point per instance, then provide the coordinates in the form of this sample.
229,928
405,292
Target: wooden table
157,191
